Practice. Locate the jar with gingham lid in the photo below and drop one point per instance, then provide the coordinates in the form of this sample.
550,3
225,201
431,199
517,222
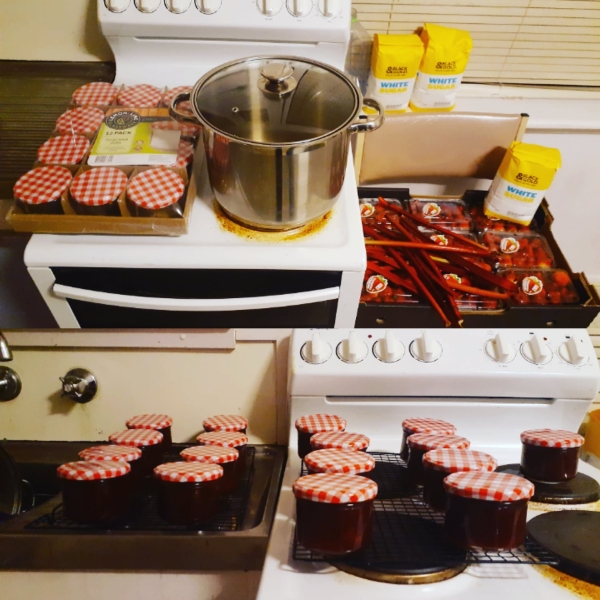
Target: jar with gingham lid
308,425
333,460
226,423
439,463
188,492
113,453
217,455
156,192
95,491
96,191
486,510
550,455
334,512
39,191
423,425
96,93
342,440
227,439
156,422
83,120
148,441
63,150
420,443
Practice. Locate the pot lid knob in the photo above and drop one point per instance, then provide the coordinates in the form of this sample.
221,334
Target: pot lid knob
277,78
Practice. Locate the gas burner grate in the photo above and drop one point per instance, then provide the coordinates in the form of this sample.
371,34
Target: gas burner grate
408,536
144,513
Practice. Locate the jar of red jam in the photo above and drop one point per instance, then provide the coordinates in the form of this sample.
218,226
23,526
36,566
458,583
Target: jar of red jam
40,190
148,441
308,425
486,510
188,492
96,191
341,440
84,120
334,512
140,96
63,150
550,455
227,439
225,423
217,455
95,491
333,460
156,192
114,453
423,425
156,422
96,93
420,443
439,463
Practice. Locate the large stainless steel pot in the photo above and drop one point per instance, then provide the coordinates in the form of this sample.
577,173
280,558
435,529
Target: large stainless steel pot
276,133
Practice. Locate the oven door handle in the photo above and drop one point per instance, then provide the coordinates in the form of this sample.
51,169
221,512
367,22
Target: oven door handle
194,304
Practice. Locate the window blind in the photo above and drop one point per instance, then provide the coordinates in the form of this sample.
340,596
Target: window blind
537,42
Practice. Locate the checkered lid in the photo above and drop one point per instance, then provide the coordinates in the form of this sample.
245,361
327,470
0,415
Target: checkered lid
184,107
229,439
552,438
453,460
188,472
339,461
89,470
419,425
210,454
137,437
63,150
185,154
42,185
225,423
187,129
140,96
342,440
334,488
85,119
155,189
97,93
98,187
319,422
150,421
431,441
496,487
111,453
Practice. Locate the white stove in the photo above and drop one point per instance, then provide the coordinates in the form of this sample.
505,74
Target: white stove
491,385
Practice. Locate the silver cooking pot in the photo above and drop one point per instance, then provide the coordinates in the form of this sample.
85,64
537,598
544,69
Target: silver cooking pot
276,135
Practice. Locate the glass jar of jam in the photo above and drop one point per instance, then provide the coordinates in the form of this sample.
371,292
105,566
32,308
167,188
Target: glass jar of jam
217,455
63,150
420,443
550,455
227,439
333,460
486,510
96,93
84,120
95,491
113,453
155,422
40,190
156,192
148,441
188,492
439,463
423,425
334,512
342,440
225,423
308,425
140,95
96,191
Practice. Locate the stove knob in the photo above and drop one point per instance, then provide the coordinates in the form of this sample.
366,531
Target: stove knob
269,7
208,7
178,6
299,8
536,351
330,8
499,349
316,351
573,352
147,6
388,349
352,350
117,6
425,348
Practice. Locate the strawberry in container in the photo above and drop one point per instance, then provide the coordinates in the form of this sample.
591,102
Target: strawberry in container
520,250
452,214
467,301
481,222
383,284
541,287
373,212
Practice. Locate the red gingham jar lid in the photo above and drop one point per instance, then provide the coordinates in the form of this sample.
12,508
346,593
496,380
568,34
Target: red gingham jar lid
85,119
319,423
149,421
185,154
229,439
137,437
188,472
454,460
423,425
140,96
225,423
42,185
184,107
187,129
210,454
97,93
332,460
342,440
63,150
111,453
334,488
89,470
155,189
496,487
431,441
552,438
99,186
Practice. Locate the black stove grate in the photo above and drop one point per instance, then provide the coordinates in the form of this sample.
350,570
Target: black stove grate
408,536
144,514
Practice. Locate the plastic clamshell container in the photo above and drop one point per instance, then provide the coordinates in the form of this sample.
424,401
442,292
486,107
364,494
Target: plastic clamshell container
385,285
481,222
519,250
541,287
451,214
373,213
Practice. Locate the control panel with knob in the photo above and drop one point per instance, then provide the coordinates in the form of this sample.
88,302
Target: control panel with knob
117,6
299,8
425,348
573,351
536,350
147,6
316,351
499,349
269,8
352,349
177,6
330,8
208,7
388,349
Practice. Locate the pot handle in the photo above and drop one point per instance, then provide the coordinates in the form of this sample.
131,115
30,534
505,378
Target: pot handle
175,114
372,122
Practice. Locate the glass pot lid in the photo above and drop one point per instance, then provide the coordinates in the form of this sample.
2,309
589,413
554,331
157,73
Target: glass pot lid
276,100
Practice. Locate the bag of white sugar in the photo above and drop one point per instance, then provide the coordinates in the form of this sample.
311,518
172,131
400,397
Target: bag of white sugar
524,176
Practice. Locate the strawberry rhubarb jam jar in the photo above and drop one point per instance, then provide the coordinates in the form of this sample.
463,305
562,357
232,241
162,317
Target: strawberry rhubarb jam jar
227,439
148,441
225,423
343,440
423,425
308,425
420,443
112,453
334,512
225,457
333,460
154,422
